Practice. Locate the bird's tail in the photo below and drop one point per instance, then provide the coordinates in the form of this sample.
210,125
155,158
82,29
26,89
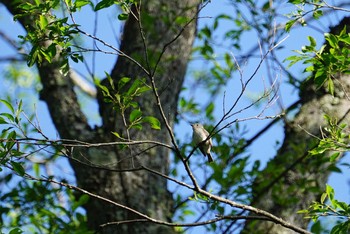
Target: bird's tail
210,158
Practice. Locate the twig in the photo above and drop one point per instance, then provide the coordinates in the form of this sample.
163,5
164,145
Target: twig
145,217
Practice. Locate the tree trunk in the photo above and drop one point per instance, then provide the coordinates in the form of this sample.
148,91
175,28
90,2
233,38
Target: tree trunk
138,189
292,169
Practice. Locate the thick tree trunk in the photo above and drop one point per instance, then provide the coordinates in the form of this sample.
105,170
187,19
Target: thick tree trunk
291,170
139,189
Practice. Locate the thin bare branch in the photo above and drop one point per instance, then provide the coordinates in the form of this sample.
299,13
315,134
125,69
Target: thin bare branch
265,214
95,38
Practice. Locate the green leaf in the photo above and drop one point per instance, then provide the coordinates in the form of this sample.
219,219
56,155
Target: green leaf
323,197
345,39
312,41
316,227
26,6
206,31
333,157
293,60
181,20
8,105
188,212
83,199
319,78
154,122
310,69
331,86
3,121
135,115
19,109
134,104
80,217
289,25
36,169
342,228
332,40
136,85
343,31
123,16
8,116
302,211
49,53
210,108
116,134
16,231
295,2
330,193
143,89
317,14
43,21
137,126
69,3
343,206
228,60
33,56
17,167
80,3
122,82
104,4
64,69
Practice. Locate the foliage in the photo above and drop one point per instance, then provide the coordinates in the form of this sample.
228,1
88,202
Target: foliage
125,100
298,16
124,5
32,205
47,34
328,206
335,138
325,63
50,32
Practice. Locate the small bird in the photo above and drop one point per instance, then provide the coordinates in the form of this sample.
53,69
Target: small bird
199,136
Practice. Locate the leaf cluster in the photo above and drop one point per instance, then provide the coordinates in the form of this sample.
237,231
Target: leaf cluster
123,98
49,35
9,150
298,16
28,205
35,206
335,138
328,61
328,206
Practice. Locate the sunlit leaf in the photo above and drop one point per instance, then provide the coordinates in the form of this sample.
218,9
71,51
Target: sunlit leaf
154,122
104,4
8,105
134,115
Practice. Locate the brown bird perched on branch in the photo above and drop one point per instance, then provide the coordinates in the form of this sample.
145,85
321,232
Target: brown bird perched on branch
200,138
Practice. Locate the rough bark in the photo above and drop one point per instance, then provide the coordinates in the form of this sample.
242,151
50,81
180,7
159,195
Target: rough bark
139,190
294,179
